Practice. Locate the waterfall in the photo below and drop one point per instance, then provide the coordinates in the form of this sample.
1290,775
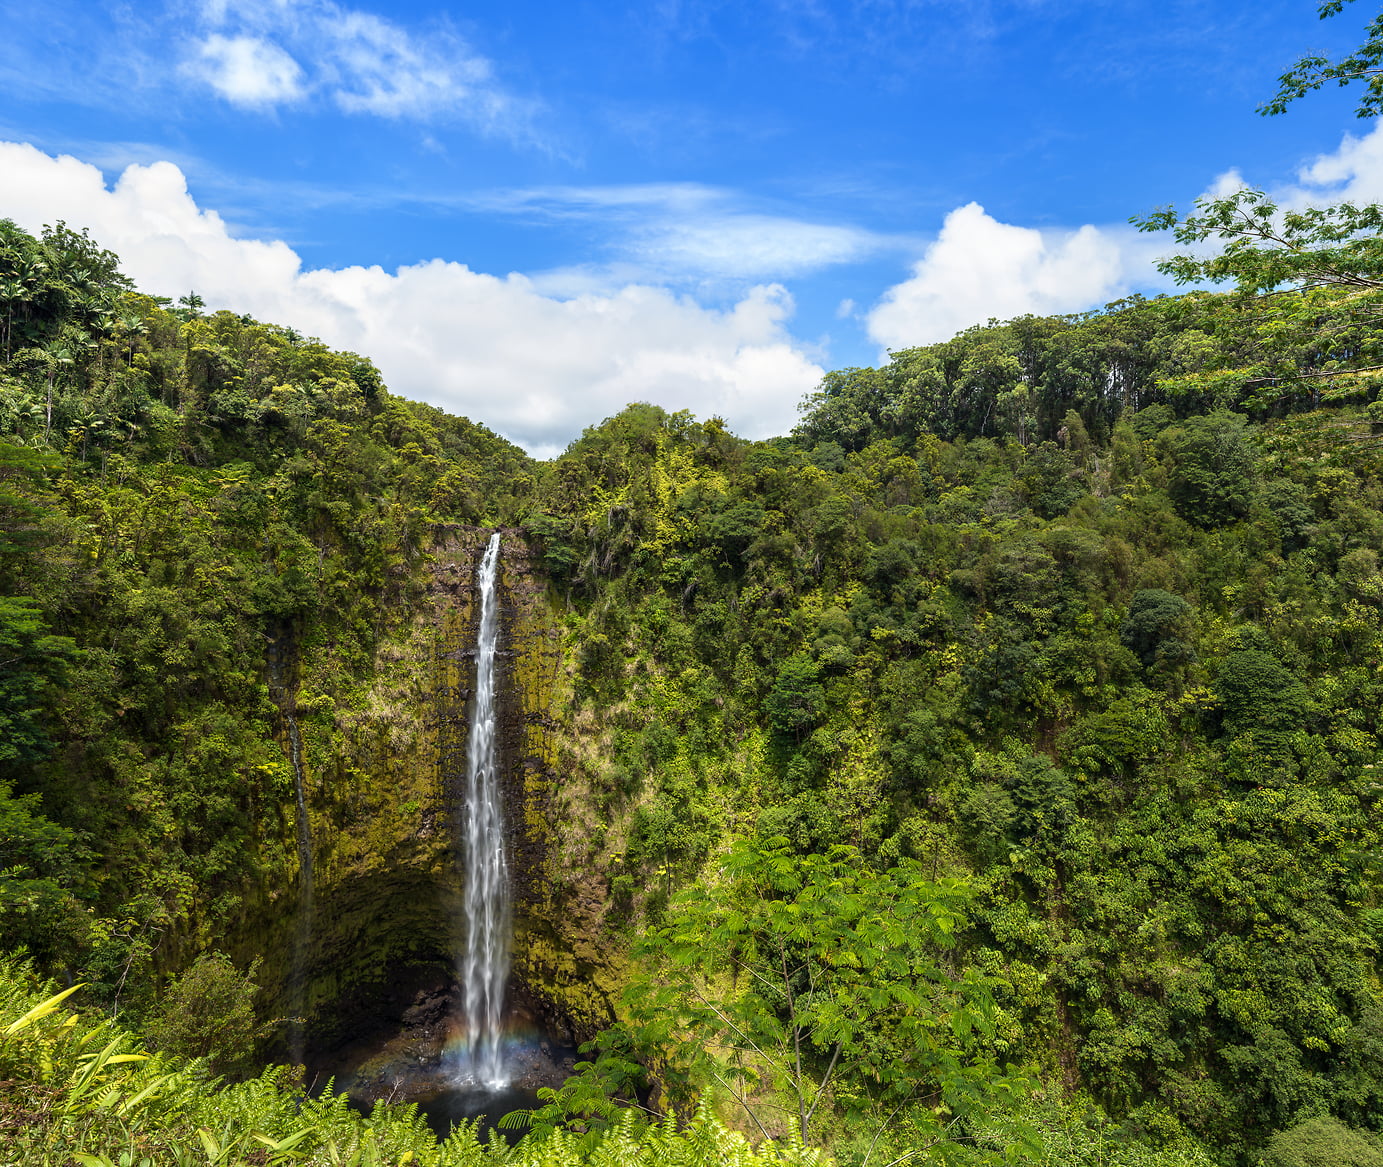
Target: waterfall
281,693
483,965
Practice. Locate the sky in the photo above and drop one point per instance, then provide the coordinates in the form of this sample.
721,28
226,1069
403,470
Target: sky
534,213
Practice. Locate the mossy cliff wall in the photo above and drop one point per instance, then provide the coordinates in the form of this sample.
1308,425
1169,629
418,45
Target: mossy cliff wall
383,771
566,972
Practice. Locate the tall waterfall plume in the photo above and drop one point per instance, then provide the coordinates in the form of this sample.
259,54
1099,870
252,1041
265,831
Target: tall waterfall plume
483,965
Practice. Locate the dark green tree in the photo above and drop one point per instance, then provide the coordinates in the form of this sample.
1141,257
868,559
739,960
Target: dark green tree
41,863
1158,627
794,703
32,661
1212,467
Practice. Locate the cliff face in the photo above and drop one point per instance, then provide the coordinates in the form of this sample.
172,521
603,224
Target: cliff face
383,770
564,973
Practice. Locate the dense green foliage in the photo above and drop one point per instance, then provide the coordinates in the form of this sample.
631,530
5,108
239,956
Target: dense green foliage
74,1089
178,491
792,962
1323,1142
1121,681
1020,710
209,1013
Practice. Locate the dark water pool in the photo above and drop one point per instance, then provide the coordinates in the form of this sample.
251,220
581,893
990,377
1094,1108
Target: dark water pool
444,1109
402,1069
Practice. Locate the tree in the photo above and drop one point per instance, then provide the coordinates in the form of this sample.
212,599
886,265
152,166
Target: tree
1258,693
32,662
21,513
1269,248
40,862
62,279
1312,72
1213,467
1324,1142
1260,344
794,703
846,408
1050,480
1158,628
806,981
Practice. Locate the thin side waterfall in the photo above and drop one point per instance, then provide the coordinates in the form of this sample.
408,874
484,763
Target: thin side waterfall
483,966
302,937
304,918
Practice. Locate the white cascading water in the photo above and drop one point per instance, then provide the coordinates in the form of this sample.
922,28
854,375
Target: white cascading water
483,967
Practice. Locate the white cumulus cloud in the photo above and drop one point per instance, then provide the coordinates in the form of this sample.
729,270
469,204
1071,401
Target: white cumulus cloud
979,268
1353,172
533,366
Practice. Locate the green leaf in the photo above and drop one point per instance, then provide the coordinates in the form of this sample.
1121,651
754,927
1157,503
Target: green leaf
40,1010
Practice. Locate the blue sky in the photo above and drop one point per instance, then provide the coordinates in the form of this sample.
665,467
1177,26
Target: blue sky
532,213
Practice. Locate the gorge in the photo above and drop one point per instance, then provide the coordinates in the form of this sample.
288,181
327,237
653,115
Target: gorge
1093,708
425,1019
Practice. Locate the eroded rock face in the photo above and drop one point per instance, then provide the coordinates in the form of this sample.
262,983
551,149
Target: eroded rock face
384,768
564,975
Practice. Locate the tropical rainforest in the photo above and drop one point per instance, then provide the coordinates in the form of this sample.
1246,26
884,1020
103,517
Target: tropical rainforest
984,772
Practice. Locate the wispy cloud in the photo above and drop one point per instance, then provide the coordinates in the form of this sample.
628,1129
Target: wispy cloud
740,245
883,38
261,57
580,202
290,52
690,231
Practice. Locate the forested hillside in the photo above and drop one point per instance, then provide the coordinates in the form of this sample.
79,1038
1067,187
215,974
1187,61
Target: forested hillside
1123,680
1022,704
188,502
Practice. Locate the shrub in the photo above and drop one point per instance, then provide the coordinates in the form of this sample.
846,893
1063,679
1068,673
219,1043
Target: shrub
1323,1142
209,1013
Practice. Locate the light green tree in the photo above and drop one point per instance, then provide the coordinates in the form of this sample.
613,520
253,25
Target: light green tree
811,984
1313,71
